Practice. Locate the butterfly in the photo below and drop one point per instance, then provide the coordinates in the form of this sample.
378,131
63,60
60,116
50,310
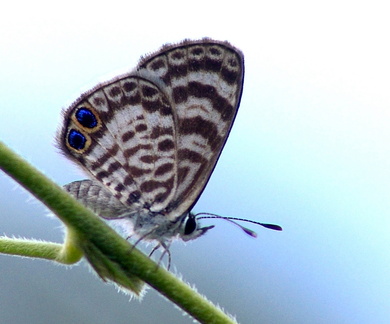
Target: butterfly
150,139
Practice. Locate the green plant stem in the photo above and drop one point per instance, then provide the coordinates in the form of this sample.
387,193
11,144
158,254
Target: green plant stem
109,254
30,248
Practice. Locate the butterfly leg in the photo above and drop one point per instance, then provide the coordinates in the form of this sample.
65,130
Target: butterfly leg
166,251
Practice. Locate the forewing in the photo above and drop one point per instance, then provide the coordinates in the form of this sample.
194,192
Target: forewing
203,81
122,133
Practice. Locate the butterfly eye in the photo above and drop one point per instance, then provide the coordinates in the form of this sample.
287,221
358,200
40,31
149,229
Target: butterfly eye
190,225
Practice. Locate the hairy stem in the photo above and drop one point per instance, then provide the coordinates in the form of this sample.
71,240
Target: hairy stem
109,254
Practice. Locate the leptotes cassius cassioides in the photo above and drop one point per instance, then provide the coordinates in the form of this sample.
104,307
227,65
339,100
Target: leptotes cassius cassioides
151,138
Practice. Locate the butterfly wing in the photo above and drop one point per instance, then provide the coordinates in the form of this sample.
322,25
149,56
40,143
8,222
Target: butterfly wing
122,133
203,81
153,137
95,196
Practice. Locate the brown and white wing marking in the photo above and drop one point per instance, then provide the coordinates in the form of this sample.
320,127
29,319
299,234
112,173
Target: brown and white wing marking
122,133
203,81
152,137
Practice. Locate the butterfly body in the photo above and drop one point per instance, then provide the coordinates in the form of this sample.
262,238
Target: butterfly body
150,139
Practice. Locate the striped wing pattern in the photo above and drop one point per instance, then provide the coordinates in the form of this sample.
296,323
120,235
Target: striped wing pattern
150,139
203,81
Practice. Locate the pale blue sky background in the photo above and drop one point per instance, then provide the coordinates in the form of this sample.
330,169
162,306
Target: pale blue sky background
309,151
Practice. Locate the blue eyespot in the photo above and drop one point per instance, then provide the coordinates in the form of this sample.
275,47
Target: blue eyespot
76,139
86,117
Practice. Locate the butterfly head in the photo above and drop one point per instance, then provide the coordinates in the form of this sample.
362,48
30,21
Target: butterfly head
190,229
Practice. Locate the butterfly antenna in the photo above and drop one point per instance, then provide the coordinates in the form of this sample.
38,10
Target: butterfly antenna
245,229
